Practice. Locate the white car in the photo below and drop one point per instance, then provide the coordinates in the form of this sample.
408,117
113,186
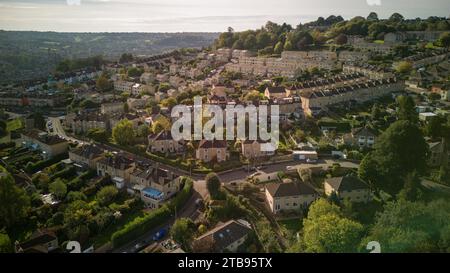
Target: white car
291,168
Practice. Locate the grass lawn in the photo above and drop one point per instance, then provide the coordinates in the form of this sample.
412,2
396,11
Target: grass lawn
14,124
379,42
105,236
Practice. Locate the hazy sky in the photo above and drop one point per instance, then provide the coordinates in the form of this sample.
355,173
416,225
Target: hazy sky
193,15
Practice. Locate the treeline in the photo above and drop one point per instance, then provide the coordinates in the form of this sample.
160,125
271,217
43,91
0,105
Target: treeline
76,64
274,38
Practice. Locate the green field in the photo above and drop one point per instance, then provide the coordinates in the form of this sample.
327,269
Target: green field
14,124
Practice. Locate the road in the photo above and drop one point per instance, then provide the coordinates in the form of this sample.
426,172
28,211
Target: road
435,186
59,130
189,211
240,175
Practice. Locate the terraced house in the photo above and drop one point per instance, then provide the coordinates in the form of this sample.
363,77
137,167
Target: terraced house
315,101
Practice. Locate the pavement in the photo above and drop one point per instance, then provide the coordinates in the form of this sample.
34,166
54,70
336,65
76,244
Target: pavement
59,130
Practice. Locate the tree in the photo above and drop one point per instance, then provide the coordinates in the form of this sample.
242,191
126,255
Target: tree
126,57
405,226
75,195
123,132
400,150
135,72
58,188
160,124
434,127
376,112
305,41
5,243
288,45
250,42
103,84
106,195
169,102
278,48
182,232
126,108
403,67
326,230
444,39
341,39
407,109
98,134
213,184
373,16
411,188
396,17
14,202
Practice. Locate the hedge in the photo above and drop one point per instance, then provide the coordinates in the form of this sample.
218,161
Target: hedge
65,173
141,225
78,182
34,167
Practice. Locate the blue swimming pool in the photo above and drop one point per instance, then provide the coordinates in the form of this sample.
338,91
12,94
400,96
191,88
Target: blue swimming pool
152,193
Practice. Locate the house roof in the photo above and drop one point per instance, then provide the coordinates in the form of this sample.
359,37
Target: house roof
164,135
44,137
87,151
225,234
347,183
209,144
117,162
276,89
367,131
38,238
289,189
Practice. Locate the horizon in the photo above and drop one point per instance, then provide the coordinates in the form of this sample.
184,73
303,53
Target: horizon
176,16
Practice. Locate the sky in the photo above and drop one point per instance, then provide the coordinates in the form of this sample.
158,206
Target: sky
193,15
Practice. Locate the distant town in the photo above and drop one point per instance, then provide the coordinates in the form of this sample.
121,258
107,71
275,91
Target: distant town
87,153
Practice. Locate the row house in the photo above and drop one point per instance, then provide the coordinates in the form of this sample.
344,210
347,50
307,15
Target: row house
313,101
112,108
86,156
212,151
136,120
251,149
84,122
164,143
370,71
117,166
123,86
49,145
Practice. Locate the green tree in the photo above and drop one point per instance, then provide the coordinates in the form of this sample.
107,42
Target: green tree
434,128
14,202
407,109
278,48
182,232
5,243
288,45
58,188
98,134
403,67
444,39
341,39
103,84
327,231
106,195
406,226
400,150
373,16
213,184
123,133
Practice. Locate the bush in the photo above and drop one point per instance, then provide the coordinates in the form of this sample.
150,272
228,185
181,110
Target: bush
34,167
157,217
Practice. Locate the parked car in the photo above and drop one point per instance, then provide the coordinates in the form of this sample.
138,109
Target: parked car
160,234
291,168
311,161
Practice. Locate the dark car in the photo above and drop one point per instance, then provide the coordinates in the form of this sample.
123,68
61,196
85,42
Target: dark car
160,234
